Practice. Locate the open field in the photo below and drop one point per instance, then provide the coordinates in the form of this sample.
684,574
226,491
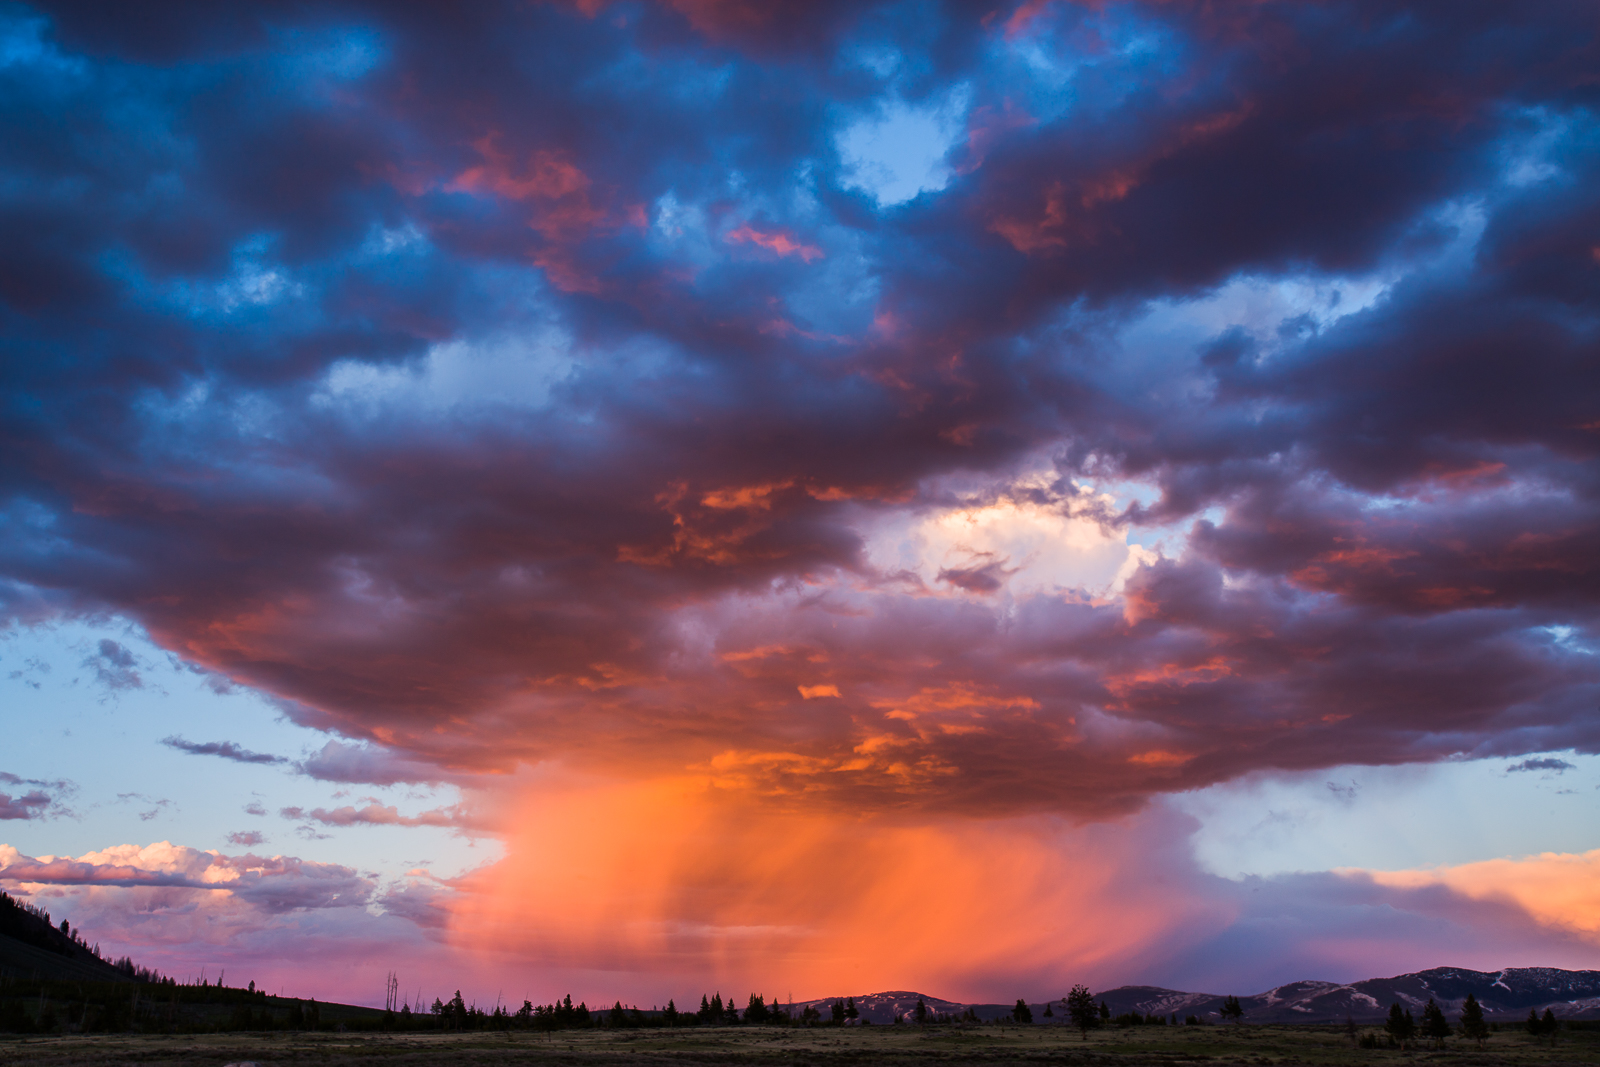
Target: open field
786,1047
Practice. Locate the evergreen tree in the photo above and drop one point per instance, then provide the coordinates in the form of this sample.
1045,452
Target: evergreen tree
1080,1007
1048,1014
1401,1025
756,1010
1434,1024
837,1010
850,1010
618,1017
921,1012
1105,1011
670,1015
1533,1022
1549,1025
1472,1024
1021,1013
1232,1009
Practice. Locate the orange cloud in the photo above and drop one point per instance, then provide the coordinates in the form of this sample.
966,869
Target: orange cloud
1558,889
556,192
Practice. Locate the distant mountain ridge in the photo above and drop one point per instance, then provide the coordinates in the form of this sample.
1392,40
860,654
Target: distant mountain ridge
1506,995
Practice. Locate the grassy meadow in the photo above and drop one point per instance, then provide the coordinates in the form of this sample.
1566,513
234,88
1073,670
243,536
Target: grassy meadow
790,1047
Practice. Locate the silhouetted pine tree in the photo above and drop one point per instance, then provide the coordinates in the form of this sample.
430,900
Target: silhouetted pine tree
1434,1024
1472,1024
1022,1013
1080,1007
1401,1025
1232,1009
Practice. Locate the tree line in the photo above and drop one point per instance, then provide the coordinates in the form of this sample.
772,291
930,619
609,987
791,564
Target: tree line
1403,1028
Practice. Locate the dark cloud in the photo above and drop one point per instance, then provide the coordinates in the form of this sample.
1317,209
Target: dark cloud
526,384
1546,763
226,749
985,577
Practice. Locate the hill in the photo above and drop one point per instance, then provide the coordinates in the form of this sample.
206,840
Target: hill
31,947
1506,995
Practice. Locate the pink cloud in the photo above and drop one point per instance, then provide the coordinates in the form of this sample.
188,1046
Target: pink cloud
781,242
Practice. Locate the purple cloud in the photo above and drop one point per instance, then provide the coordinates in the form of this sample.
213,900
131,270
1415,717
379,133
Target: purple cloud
226,749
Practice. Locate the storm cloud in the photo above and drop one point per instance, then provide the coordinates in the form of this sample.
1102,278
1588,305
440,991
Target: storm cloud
557,385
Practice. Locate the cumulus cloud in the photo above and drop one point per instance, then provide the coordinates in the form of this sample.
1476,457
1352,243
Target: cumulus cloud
181,909
275,884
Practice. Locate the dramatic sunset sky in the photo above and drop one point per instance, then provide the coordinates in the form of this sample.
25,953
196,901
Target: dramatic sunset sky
637,499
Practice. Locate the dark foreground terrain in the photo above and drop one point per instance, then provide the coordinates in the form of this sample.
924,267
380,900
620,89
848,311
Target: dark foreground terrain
892,1046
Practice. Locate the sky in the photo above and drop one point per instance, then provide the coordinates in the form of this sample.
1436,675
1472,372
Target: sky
636,499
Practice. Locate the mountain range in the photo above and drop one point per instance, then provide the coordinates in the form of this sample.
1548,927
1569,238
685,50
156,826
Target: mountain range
1506,995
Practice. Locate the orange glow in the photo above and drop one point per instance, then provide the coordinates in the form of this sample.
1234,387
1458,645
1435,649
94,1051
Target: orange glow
1558,889
745,496
678,877
1160,757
